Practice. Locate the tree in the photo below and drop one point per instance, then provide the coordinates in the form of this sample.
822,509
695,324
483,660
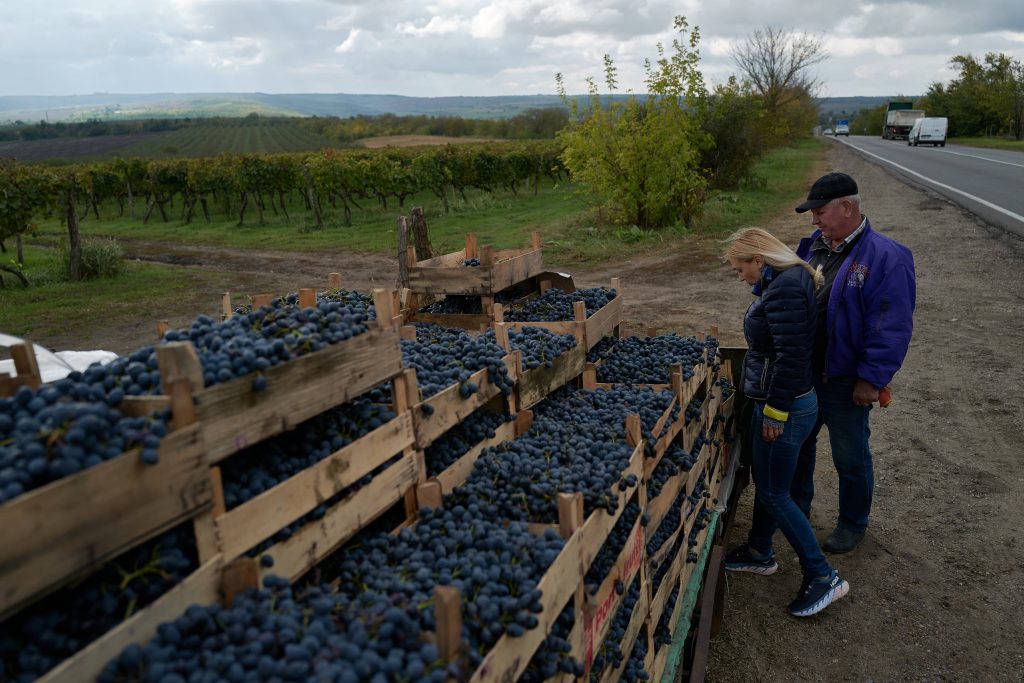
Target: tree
986,97
777,64
641,155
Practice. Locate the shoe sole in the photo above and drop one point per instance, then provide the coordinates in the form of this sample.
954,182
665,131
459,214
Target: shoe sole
754,568
824,601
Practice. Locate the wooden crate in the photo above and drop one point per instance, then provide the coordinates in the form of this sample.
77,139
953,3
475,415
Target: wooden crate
498,269
458,472
60,532
533,386
246,525
589,330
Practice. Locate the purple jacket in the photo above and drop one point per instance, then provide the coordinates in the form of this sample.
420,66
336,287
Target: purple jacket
870,308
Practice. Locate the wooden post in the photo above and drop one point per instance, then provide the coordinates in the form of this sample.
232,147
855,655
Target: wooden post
675,373
226,310
239,575
524,420
429,494
714,331
161,329
499,313
471,249
178,360
307,298
382,304
403,252
589,377
579,311
334,281
25,363
617,286
259,300
501,335
535,240
448,615
407,332
570,513
486,256
634,433
419,233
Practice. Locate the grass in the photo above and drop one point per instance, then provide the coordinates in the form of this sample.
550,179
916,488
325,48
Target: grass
989,143
503,220
54,307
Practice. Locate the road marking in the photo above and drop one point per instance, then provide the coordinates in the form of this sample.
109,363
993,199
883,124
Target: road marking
983,202
975,156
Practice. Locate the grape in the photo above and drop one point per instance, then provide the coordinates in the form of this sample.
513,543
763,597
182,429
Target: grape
67,427
49,631
610,654
617,539
461,438
645,360
279,634
443,357
635,670
539,346
495,565
554,305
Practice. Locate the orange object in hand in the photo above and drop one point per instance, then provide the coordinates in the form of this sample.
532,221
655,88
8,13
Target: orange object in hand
884,397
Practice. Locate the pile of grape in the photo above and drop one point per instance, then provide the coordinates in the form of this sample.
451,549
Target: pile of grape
443,357
646,360
554,305
49,631
66,427
461,438
539,346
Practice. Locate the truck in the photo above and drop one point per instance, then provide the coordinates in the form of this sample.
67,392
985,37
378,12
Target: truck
899,119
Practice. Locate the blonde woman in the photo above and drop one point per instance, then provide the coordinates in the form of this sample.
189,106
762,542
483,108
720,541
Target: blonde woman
779,327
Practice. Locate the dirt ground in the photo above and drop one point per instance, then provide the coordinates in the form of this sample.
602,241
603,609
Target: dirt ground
936,585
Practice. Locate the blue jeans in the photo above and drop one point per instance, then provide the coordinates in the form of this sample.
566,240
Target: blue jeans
848,433
781,500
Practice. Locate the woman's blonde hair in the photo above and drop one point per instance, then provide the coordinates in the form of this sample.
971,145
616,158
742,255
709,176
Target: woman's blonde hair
747,243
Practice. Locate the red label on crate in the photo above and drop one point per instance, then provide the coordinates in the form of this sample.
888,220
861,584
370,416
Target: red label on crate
604,612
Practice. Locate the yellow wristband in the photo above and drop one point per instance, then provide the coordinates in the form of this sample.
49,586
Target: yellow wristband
775,414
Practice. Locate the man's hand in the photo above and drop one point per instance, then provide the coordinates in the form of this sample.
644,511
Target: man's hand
864,394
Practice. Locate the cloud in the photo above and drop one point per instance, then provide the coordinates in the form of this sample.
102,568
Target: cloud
466,47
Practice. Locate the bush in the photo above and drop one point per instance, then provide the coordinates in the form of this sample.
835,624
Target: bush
101,258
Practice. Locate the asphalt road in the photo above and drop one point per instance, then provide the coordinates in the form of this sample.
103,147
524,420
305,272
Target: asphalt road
987,182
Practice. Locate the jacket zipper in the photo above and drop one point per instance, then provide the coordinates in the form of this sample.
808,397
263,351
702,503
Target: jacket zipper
764,373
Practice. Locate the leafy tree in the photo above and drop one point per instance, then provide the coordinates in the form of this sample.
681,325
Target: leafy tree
777,64
641,155
985,98
732,117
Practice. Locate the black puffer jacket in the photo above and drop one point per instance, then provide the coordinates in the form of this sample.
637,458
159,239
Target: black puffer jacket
779,327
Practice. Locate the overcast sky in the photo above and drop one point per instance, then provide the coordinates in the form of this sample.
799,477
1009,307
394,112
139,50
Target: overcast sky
465,47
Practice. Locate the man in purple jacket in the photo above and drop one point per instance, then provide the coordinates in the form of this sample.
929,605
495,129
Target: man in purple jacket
865,319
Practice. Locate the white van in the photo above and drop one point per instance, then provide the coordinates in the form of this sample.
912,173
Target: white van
929,131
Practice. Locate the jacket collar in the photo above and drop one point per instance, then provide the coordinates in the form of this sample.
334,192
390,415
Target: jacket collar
767,275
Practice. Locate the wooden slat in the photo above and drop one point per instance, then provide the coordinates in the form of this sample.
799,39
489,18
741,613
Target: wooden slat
463,321
260,518
603,322
534,385
315,541
458,279
61,531
199,588
25,363
518,268
457,473
235,416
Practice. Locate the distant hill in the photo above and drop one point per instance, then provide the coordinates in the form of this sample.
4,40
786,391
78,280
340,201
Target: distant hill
164,105
851,105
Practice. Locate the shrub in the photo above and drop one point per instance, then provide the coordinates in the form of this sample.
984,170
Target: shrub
101,258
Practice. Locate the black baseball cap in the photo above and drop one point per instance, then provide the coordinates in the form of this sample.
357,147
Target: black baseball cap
826,188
